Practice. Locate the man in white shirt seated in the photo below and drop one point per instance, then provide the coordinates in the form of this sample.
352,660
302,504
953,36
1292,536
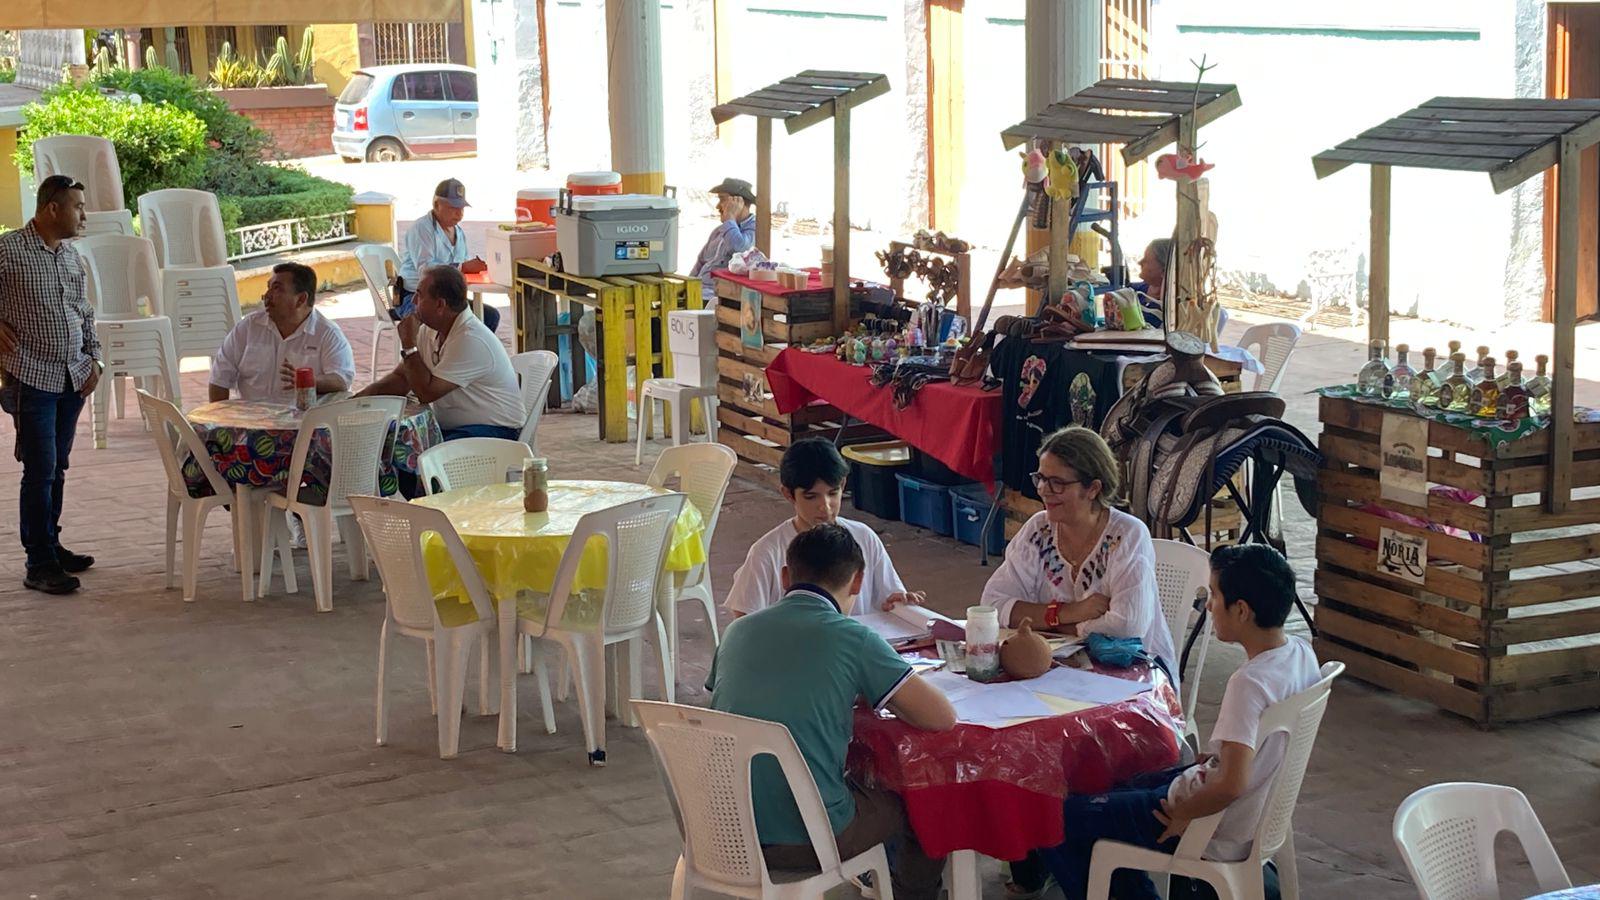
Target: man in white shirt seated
258,357
452,361
437,239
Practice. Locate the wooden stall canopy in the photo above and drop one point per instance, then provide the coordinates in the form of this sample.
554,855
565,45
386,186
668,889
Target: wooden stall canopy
1142,116
804,100
1510,139
25,14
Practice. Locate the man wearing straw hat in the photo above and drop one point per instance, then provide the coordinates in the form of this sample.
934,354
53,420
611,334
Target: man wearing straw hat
736,201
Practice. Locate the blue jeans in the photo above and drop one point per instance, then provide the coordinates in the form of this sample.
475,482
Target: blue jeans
46,422
491,316
1126,814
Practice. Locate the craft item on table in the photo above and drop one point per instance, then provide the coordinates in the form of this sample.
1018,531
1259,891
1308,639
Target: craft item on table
1034,173
1114,651
764,272
1179,166
1130,315
1087,687
1062,182
1111,317
1025,654
741,263
897,263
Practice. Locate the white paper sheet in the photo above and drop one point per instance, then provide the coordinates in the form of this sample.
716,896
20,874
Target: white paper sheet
990,705
891,627
1086,687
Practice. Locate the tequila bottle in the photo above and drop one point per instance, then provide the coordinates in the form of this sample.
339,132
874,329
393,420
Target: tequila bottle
1446,362
1424,389
1486,393
1514,396
1397,384
1475,373
1369,381
1539,388
1456,393
1505,373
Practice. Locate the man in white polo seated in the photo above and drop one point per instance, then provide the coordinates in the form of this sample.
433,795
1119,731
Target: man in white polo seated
258,358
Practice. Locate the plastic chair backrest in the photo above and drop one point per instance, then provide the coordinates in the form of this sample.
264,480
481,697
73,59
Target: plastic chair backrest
1299,716
1446,834
1272,343
203,304
704,471
120,270
470,462
1181,570
637,535
175,437
375,260
186,226
705,758
536,370
394,530
87,159
111,221
358,428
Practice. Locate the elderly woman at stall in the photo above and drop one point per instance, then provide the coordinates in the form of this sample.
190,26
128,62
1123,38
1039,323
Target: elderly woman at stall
1079,567
1152,283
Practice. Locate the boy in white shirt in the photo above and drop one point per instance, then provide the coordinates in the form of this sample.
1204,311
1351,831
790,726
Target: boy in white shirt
1252,591
812,476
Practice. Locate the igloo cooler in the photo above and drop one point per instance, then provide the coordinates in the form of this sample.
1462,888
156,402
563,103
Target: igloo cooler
623,234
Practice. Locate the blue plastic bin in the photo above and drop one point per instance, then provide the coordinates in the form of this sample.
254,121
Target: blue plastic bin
969,509
924,504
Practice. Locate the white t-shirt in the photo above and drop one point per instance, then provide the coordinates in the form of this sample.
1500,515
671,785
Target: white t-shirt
1270,677
474,360
1122,567
249,360
759,582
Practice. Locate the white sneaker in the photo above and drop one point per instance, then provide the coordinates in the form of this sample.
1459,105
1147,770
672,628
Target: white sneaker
297,533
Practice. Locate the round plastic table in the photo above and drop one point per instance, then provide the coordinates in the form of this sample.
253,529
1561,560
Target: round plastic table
518,553
1586,892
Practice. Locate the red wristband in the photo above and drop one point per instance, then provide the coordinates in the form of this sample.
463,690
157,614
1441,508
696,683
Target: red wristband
1052,614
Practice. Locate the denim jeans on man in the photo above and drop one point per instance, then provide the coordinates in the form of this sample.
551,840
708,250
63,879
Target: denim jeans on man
46,422
1127,815
408,303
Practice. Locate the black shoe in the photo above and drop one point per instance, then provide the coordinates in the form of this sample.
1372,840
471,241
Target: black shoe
73,562
50,580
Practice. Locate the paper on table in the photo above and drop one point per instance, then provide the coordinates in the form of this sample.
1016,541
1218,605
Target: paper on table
990,705
1086,687
905,622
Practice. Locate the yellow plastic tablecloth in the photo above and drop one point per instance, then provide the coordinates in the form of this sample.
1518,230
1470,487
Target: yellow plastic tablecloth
518,553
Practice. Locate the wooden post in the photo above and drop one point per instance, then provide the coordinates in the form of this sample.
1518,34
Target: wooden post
841,215
1378,265
764,185
1060,223
1180,282
1568,177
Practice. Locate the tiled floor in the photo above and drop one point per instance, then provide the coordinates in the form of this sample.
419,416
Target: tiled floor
150,748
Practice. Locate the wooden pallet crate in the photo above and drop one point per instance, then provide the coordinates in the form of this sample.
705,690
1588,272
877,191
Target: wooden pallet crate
629,312
1506,624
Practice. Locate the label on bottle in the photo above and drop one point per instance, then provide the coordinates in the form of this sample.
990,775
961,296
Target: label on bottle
1513,404
983,661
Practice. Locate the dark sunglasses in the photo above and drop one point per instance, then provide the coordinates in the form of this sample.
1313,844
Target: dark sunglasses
55,186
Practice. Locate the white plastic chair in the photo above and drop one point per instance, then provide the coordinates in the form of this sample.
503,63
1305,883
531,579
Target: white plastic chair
637,535
203,304
705,759
358,428
378,262
111,221
186,226
1272,343
1446,835
1182,572
175,438
120,271
87,159
1298,717
393,531
703,472
535,370
469,462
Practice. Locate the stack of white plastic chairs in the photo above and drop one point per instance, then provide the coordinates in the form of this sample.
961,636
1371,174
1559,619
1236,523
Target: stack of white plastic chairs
91,161
186,227
136,338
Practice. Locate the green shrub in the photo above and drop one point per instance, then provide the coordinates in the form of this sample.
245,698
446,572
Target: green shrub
158,145
235,135
294,194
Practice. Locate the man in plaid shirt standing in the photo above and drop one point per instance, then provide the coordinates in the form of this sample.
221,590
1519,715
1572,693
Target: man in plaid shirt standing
51,361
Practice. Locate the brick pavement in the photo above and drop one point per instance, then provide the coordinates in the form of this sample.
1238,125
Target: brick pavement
156,749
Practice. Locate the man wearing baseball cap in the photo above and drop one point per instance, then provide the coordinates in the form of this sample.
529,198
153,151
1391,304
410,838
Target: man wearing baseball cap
437,239
736,203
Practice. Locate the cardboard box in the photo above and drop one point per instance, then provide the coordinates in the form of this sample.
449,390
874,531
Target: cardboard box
505,247
692,332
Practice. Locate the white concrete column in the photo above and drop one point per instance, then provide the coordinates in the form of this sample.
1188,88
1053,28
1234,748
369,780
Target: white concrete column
532,143
633,48
1062,49
913,62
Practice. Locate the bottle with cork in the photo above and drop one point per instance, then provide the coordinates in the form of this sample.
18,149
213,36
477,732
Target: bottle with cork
1539,388
1475,372
1397,384
1505,371
1514,396
1456,394
1447,362
1486,393
1425,381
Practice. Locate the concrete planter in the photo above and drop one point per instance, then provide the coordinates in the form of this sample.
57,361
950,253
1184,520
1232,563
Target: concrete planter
299,118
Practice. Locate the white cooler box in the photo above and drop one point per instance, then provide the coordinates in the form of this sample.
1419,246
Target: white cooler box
692,341
618,234
505,247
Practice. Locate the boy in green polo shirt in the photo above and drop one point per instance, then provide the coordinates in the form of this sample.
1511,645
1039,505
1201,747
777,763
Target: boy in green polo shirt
805,664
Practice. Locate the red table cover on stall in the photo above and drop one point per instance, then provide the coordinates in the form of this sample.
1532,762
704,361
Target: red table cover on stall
813,283
999,791
958,426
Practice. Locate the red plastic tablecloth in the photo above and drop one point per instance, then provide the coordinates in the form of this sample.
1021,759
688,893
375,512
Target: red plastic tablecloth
999,791
813,283
958,426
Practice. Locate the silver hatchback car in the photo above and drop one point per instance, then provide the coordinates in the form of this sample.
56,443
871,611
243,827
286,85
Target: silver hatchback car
389,113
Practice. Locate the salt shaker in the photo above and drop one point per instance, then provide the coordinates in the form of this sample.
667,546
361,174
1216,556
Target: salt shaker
535,485
983,643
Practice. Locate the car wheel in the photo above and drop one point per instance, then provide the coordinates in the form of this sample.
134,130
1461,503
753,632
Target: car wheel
385,150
